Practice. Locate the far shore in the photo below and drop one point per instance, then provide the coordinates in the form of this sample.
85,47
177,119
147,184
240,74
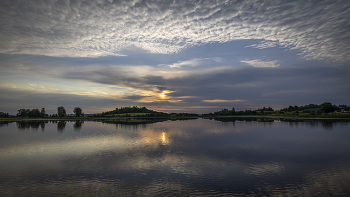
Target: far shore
70,118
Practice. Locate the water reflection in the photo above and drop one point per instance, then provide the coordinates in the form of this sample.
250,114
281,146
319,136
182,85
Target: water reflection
4,123
61,125
265,169
77,125
165,140
312,123
31,125
176,158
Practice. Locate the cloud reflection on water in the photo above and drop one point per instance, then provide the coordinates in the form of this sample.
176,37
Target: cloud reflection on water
179,157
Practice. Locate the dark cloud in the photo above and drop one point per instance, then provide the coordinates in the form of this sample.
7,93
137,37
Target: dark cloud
273,86
135,97
12,100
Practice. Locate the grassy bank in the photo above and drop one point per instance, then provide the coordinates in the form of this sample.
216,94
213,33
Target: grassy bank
134,115
15,119
304,116
45,119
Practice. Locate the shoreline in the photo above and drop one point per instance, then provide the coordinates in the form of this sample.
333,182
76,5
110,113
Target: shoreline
313,117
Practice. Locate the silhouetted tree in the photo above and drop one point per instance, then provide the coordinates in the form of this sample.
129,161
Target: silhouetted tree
23,112
328,107
42,112
34,113
77,111
61,111
4,115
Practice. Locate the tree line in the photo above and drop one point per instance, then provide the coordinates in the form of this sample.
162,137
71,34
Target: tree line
123,110
35,113
4,115
135,109
144,112
326,107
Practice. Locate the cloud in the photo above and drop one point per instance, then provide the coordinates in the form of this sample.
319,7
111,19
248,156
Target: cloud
193,62
117,82
135,97
222,101
18,98
81,28
264,45
261,64
246,87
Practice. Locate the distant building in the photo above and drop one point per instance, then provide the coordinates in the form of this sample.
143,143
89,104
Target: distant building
339,111
315,110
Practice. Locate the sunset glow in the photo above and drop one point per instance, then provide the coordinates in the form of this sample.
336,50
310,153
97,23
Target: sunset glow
200,56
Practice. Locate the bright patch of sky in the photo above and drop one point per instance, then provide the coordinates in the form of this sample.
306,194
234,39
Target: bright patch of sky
261,64
195,56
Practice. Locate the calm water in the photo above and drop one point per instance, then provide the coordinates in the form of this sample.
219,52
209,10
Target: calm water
175,158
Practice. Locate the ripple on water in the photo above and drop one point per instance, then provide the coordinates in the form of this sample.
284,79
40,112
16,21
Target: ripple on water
194,158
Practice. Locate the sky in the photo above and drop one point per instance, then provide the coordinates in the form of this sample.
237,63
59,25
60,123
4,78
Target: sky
195,56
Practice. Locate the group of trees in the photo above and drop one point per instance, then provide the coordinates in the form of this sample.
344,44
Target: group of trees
265,109
299,108
4,115
326,107
144,112
35,113
124,110
225,112
61,112
183,114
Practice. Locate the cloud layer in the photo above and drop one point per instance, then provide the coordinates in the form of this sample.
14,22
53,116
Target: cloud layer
79,28
193,56
261,64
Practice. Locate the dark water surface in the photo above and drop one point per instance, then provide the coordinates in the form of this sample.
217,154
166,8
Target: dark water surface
175,158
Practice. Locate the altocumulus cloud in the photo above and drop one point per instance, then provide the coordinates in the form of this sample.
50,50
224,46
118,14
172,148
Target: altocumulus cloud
261,64
193,62
86,28
189,55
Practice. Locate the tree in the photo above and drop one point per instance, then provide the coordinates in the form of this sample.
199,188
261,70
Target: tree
42,112
296,108
61,111
23,112
328,107
233,111
34,113
77,111
290,108
4,115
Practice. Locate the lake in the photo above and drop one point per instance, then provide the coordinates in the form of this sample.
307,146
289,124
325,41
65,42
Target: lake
160,157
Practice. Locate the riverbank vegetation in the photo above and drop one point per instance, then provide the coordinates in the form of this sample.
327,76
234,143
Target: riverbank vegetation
324,110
